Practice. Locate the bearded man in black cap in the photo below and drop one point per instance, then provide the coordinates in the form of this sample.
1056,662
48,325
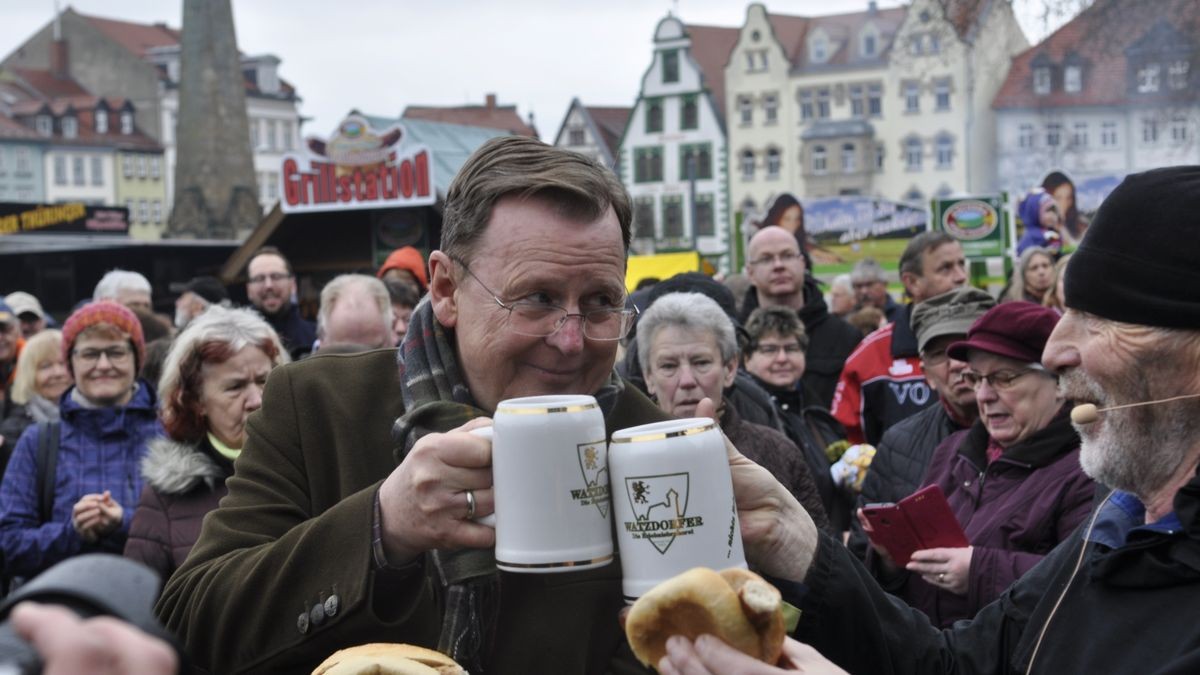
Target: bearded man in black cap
1128,349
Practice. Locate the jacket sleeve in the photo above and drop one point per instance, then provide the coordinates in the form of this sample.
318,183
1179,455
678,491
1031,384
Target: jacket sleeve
876,489
29,544
847,400
267,558
803,488
150,534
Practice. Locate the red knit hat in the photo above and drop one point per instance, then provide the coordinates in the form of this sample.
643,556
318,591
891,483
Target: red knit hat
409,259
109,312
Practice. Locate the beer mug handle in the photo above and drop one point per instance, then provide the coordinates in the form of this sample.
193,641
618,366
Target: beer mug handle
490,519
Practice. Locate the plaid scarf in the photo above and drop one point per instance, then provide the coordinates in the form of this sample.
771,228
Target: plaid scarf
436,399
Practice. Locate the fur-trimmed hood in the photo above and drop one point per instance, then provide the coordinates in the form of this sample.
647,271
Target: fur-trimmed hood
171,467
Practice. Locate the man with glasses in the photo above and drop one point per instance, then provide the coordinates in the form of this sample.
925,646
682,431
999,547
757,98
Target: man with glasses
883,381
870,288
108,417
779,277
271,287
349,519
903,454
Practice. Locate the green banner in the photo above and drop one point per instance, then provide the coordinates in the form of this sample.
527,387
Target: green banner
980,224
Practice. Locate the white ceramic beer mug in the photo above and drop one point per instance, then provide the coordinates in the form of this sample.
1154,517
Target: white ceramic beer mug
550,472
673,497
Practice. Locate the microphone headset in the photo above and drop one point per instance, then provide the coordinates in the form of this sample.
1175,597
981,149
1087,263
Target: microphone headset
1088,413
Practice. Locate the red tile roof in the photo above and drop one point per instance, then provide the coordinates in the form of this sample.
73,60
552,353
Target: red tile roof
843,31
12,129
49,86
136,37
790,32
611,123
711,47
1099,37
488,116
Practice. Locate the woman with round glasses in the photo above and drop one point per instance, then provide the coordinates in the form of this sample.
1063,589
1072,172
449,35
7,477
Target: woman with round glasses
108,417
688,352
1013,479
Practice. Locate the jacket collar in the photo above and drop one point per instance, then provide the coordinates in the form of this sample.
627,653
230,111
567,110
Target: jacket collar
144,402
813,313
176,468
1042,448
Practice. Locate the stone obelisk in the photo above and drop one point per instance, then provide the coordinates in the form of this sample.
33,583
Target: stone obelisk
216,195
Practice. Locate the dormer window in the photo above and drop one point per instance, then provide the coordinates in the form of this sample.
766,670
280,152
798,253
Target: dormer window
102,121
820,49
70,127
1177,74
1073,79
1147,78
670,65
870,45
126,123
1041,80
45,125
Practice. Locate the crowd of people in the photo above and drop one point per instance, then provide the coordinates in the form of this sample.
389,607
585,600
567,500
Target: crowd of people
302,487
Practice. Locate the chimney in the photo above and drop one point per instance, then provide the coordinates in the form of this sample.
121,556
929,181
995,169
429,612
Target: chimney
872,7
58,59
491,101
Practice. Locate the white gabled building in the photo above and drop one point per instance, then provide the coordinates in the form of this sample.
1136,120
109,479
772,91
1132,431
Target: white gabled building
672,156
593,130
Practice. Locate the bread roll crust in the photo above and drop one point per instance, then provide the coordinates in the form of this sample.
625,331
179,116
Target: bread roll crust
388,658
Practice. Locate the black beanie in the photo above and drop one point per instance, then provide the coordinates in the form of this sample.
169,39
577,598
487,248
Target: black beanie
1139,261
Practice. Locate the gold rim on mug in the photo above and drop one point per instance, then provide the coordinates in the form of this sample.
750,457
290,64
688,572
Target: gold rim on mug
664,435
546,411
545,566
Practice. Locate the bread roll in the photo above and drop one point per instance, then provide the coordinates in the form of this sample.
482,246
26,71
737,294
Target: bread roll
386,658
736,605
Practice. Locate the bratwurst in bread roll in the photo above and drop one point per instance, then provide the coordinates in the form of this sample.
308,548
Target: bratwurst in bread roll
386,658
735,605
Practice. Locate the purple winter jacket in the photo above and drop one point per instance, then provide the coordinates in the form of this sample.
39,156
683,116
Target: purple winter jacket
1013,511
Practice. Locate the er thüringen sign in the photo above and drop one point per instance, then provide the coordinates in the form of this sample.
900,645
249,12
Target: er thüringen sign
359,167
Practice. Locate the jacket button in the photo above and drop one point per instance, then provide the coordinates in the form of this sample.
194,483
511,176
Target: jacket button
331,605
302,623
966,483
317,615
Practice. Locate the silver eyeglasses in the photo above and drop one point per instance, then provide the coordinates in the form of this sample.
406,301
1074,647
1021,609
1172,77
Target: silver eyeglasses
541,319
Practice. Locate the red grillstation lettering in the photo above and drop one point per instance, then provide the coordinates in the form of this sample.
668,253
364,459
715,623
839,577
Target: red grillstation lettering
321,184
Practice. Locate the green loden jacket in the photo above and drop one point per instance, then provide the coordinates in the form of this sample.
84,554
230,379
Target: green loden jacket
282,575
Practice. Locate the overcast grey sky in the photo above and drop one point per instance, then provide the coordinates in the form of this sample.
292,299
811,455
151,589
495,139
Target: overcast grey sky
382,55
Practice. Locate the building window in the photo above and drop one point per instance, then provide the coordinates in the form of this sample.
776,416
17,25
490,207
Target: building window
858,102
102,121
762,59
143,208
935,43
575,137
1073,79
914,45
1041,80
255,141
141,166
654,116
1147,79
60,170
24,163
771,108
70,127
97,170
914,196
912,154
285,128
1179,129
670,63
941,94
1079,135
912,97
127,166
823,103
77,171
272,185
697,157
747,163
806,105
945,151
647,165
1053,134
705,225
1149,130
1025,136
1177,74
272,140
869,45
689,114
820,160
131,207
820,49
156,212
45,125
849,158
672,217
875,100
879,156
155,167
126,123
1108,134
745,110
643,218
774,162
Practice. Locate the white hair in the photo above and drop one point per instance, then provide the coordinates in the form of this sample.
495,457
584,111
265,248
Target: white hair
694,311
843,281
117,280
340,284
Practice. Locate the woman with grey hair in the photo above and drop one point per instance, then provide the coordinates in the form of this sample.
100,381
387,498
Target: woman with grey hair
689,352
1033,276
212,380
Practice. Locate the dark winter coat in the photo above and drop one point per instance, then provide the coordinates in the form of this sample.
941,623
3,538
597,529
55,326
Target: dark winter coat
900,463
296,332
183,483
830,342
1014,510
773,451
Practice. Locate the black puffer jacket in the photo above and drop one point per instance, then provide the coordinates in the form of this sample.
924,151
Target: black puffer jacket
899,464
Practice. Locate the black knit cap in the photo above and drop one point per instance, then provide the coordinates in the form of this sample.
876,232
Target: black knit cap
209,288
1137,262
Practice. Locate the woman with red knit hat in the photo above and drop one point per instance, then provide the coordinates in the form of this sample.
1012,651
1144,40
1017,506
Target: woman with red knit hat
407,265
108,416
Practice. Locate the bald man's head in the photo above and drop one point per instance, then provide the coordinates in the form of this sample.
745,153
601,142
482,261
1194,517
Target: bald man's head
776,267
355,310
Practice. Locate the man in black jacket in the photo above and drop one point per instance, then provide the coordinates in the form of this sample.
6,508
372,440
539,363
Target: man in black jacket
903,453
270,285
